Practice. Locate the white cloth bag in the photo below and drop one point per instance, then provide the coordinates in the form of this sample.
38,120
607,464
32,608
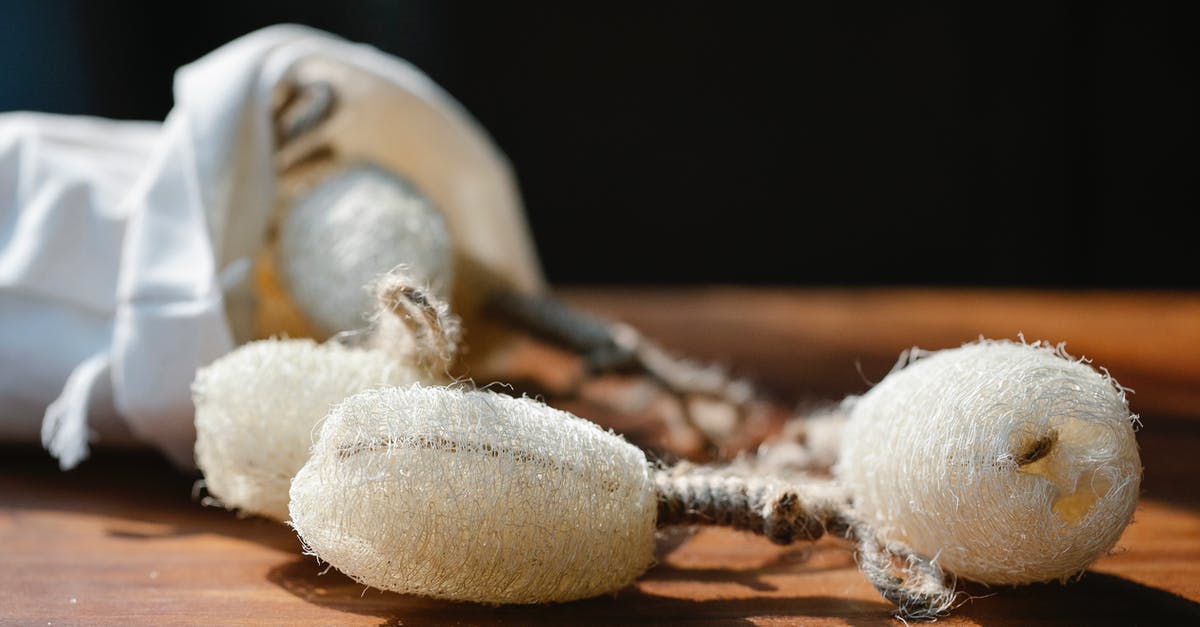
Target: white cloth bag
119,240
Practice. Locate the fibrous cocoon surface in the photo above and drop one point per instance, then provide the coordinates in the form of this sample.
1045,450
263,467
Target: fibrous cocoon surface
474,496
256,409
351,228
1007,463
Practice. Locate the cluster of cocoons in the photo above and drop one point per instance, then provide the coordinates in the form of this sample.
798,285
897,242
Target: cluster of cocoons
998,462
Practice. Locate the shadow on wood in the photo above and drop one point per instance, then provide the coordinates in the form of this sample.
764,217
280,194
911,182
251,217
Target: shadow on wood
1097,598
302,578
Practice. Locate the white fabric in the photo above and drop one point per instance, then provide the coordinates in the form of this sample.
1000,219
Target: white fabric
118,240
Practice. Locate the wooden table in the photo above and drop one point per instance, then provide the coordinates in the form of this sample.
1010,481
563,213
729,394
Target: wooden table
121,540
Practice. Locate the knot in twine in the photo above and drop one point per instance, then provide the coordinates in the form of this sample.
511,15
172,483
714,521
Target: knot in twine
786,512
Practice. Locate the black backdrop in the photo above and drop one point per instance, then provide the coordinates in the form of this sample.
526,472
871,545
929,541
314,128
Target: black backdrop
835,143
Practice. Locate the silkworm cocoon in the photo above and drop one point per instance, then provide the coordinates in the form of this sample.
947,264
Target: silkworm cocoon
349,229
474,496
1008,463
257,406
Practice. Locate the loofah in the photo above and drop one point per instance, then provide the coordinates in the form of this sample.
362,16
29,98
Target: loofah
474,496
350,228
256,408
1005,462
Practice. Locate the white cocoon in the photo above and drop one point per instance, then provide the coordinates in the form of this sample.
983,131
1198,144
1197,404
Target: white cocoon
257,406
1009,463
474,496
351,228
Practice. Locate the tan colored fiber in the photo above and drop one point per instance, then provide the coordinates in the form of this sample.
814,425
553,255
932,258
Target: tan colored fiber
1002,462
798,509
474,496
783,511
414,326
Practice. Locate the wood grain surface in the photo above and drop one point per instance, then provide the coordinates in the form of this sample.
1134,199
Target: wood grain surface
826,343
122,540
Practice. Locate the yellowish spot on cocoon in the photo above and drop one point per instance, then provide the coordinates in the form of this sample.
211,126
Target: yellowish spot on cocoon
1008,462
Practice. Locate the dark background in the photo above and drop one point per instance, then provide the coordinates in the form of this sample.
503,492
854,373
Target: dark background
1052,144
